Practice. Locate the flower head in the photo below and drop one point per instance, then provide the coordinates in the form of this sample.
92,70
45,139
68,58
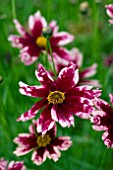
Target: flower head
60,98
43,146
102,120
12,165
33,42
109,11
77,58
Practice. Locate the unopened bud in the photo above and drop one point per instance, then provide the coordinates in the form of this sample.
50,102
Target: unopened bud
47,32
84,8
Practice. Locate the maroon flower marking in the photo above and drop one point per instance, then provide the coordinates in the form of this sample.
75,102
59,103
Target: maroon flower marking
102,120
43,146
60,98
11,166
84,75
32,43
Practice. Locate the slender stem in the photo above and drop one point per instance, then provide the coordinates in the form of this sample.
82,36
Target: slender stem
13,9
103,158
46,55
50,49
34,127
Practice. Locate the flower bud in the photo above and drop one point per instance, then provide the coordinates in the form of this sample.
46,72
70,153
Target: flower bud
84,8
47,32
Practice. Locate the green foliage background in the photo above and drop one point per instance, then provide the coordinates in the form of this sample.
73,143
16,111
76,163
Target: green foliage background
94,38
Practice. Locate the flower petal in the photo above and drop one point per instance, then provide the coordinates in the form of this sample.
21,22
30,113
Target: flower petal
103,105
89,71
53,153
82,108
62,115
29,54
111,21
109,10
36,23
108,138
62,38
3,164
62,142
111,98
26,143
67,78
39,156
92,82
44,77
45,122
60,52
76,57
103,119
21,29
16,166
17,41
33,111
34,91
84,91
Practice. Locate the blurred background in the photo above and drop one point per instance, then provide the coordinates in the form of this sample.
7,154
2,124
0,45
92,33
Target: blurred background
94,38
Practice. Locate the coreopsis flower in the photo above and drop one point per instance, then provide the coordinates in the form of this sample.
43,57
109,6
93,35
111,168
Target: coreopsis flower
43,146
12,165
102,120
109,11
60,98
77,57
32,42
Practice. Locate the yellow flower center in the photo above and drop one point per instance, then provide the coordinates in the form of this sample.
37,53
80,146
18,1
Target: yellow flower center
56,97
43,141
41,42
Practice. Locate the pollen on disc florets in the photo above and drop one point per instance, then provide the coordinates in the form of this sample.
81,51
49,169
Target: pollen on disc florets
56,97
42,141
41,42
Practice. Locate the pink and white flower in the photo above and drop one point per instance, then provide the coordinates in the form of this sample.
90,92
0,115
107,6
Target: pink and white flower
46,146
11,166
31,43
77,58
60,98
109,11
102,119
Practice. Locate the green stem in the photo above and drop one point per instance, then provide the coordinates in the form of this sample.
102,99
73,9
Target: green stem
46,56
34,127
50,49
103,158
13,9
